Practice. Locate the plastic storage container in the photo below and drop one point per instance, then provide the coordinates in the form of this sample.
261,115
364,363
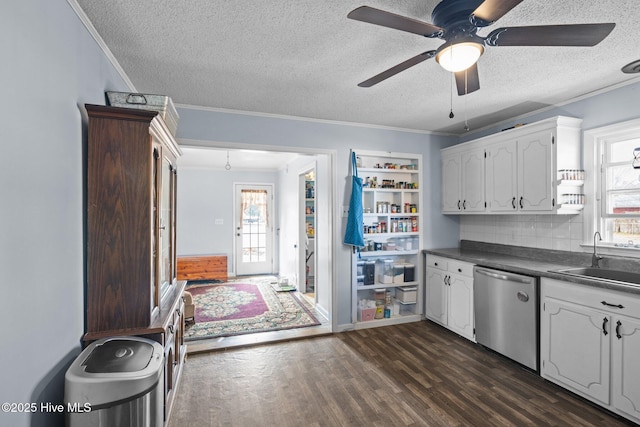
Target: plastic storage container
386,271
369,272
409,272
116,382
407,294
398,273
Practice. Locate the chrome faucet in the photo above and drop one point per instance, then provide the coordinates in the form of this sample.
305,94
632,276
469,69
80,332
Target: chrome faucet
595,258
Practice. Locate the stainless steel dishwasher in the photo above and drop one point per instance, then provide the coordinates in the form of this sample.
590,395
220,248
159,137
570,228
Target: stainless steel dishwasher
506,314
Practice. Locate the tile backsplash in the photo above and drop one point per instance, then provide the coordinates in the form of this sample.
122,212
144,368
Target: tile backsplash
559,232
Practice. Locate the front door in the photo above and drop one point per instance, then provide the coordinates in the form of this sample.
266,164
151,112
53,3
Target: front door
254,229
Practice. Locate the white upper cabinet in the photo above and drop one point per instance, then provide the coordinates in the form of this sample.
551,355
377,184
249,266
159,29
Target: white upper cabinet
463,181
451,182
502,177
514,171
473,180
536,174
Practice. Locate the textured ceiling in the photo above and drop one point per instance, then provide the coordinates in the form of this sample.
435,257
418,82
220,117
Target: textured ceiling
305,58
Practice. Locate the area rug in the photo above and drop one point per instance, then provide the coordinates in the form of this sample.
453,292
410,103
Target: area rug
242,308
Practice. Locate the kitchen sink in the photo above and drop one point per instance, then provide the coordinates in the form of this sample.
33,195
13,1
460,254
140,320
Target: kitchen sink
618,276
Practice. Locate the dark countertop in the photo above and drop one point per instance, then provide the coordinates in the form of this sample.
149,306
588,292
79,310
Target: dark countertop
531,262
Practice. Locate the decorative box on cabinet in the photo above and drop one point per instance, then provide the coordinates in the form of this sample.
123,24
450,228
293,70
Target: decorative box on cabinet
132,287
392,204
449,294
589,343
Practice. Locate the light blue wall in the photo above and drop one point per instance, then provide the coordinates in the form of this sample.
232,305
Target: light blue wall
209,125
50,67
610,107
204,196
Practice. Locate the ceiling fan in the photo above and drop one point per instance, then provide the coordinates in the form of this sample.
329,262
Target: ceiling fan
457,21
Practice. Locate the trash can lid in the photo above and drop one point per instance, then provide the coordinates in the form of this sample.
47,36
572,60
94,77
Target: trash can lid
119,356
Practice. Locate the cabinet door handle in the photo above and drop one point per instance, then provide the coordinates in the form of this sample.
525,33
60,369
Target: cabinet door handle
513,202
171,329
618,324
604,326
464,205
611,305
458,204
521,205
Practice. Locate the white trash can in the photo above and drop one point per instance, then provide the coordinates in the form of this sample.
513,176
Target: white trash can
116,382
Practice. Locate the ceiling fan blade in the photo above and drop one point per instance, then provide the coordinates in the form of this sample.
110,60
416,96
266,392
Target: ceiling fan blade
550,35
391,20
400,67
492,10
467,81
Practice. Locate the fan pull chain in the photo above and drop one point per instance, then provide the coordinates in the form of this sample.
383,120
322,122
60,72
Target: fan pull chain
451,115
466,123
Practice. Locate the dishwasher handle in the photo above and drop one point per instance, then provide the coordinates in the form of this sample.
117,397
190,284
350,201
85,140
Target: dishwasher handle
501,275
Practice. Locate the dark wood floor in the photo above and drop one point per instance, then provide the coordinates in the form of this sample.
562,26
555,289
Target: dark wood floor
416,374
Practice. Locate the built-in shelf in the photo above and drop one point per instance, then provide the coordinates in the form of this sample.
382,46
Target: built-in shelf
386,285
391,201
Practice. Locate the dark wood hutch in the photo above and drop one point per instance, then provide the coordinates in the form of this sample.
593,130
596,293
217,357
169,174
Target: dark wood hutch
132,288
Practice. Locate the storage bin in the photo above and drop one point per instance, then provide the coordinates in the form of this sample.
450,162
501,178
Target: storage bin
407,309
398,273
386,271
143,101
409,272
369,271
379,295
366,314
407,294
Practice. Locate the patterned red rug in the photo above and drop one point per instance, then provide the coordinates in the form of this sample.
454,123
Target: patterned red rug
242,308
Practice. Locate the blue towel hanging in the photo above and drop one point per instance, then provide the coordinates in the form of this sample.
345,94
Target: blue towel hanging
354,234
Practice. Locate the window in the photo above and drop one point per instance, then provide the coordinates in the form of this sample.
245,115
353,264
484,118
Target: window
254,219
620,183
617,183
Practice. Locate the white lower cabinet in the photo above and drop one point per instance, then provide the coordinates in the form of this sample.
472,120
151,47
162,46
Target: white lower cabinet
625,367
590,342
449,294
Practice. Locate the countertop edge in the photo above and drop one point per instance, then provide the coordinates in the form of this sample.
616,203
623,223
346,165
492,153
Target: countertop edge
526,266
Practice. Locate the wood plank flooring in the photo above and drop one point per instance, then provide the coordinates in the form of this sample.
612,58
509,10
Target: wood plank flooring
416,374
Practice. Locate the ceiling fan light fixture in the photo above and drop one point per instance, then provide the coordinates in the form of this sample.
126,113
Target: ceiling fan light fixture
456,57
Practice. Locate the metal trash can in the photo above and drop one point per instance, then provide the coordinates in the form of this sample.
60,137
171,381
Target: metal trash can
116,382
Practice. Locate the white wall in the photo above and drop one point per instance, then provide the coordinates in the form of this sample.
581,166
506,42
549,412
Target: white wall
290,217
51,67
206,195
